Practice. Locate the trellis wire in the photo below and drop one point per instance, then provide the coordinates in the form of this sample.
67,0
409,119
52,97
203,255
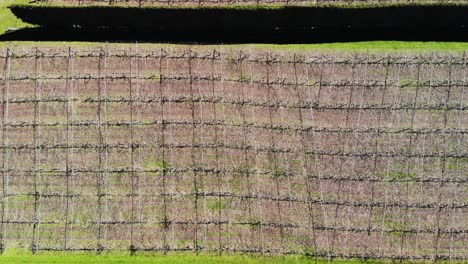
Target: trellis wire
235,152
142,3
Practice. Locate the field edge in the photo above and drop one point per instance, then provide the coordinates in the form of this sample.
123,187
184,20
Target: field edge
23,256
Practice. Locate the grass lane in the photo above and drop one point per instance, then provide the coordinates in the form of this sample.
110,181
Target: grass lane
7,19
390,47
19,257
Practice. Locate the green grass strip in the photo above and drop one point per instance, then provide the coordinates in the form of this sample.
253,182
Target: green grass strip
13,257
370,46
7,19
23,257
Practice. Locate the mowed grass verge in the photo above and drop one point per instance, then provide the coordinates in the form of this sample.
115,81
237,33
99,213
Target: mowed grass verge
7,19
390,47
20,257
23,257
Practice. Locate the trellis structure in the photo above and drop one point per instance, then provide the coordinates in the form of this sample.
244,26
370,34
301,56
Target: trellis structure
244,2
165,150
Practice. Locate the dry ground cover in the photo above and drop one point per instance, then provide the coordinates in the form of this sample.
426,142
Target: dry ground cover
168,150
